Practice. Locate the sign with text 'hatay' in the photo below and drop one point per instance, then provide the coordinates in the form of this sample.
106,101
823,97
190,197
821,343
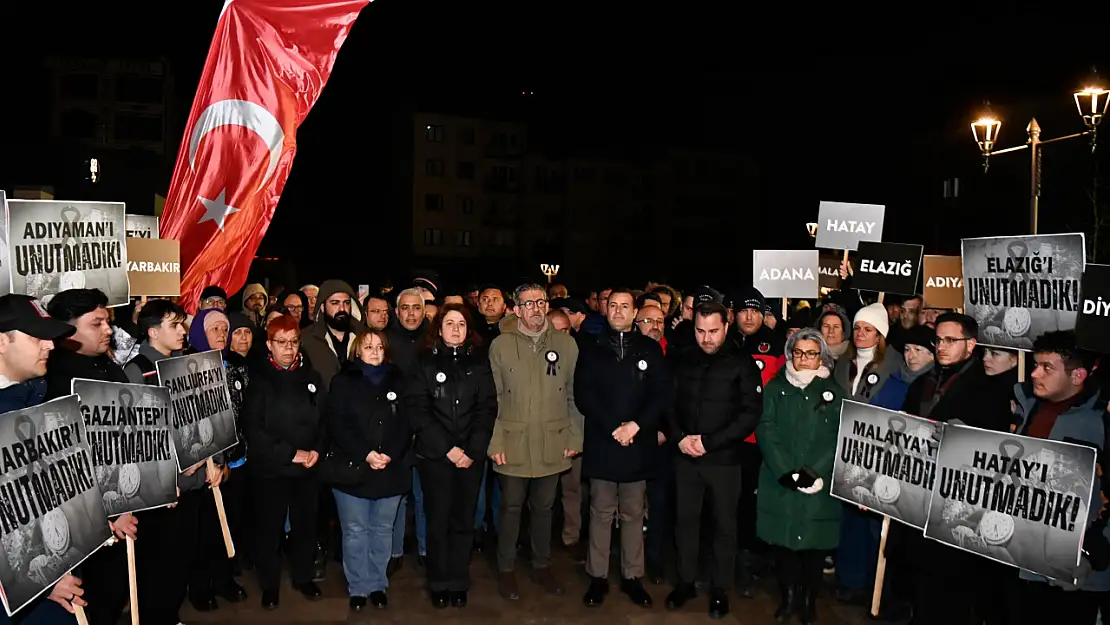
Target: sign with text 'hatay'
944,282
1092,328
786,273
888,267
841,225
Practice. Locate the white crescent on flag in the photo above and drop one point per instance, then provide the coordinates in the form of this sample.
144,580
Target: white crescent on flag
240,113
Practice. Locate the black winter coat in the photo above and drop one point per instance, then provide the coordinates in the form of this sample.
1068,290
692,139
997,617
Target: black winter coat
282,413
452,401
363,417
621,376
719,396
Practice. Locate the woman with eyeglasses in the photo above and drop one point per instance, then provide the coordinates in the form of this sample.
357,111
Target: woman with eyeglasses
282,418
797,435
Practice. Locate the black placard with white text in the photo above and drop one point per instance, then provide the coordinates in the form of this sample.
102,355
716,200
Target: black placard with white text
888,267
1092,326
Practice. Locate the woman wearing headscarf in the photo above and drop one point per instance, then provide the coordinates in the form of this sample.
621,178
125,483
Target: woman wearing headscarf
797,435
211,572
295,304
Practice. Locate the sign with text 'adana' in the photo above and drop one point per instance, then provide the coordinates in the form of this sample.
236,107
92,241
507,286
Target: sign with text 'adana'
786,273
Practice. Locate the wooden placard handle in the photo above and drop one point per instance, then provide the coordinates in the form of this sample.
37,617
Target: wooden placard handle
880,569
219,497
79,612
133,580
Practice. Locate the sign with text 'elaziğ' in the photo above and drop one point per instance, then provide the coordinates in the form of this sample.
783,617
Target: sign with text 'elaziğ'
786,273
1092,328
841,226
888,267
1020,287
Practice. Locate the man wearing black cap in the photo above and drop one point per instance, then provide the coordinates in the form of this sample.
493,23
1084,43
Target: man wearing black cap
575,309
27,336
213,297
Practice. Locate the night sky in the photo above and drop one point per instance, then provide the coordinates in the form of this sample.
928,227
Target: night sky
860,107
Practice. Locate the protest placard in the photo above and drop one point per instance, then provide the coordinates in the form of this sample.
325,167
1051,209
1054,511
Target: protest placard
154,267
1092,328
55,246
142,226
885,461
786,273
128,431
203,418
944,282
1020,287
5,273
888,267
841,226
1021,501
51,517
830,271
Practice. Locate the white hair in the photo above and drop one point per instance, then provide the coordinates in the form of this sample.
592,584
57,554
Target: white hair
810,334
415,292
309,286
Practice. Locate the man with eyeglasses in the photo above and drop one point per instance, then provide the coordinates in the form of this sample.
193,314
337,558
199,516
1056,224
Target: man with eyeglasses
947,582
537,432
213,297
650,321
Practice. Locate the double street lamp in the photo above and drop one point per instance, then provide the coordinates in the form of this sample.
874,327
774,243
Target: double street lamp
1091,102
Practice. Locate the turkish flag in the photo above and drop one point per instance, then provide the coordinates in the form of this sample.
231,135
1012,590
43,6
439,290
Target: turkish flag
268,63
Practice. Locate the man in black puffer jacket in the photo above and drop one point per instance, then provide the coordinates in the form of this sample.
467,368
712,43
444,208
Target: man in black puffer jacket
719,402
622,388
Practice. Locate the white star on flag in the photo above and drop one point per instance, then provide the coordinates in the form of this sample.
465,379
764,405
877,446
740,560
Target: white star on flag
216,210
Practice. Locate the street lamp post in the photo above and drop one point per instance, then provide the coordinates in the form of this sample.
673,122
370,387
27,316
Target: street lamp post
550,271
1091,103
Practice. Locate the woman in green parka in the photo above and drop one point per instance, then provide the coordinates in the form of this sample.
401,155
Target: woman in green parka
797,435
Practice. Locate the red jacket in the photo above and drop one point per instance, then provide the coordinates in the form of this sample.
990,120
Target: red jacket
766,348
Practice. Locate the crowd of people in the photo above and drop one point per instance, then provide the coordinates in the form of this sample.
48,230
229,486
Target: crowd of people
701,424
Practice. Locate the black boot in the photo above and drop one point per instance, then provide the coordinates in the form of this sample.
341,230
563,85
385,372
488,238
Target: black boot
807,613
788,602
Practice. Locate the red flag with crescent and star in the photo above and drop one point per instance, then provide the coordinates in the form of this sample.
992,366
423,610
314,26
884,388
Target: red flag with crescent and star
268,63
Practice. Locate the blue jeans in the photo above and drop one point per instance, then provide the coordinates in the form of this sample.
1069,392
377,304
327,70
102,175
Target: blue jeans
421,521
366,526
495,500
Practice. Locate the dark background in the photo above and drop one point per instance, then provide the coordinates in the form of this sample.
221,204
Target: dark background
839,104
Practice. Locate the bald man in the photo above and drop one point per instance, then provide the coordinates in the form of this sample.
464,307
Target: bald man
559,320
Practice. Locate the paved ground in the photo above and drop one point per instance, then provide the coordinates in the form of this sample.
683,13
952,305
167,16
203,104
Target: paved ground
408,603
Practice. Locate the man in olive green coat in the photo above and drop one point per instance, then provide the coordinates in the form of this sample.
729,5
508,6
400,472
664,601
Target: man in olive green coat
538,431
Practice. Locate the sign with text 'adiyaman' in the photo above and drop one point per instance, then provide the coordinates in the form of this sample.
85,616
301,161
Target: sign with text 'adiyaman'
944,282
888,267
203,419
1020,287
1092,328
1015,499
128,430
51,517
56,246
841,226
786,273
886,461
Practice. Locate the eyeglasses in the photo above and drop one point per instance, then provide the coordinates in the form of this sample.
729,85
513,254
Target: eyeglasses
806,355
534,303
650,322
284,344
215,302
948,341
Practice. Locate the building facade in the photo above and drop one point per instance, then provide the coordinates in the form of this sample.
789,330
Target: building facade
481,194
